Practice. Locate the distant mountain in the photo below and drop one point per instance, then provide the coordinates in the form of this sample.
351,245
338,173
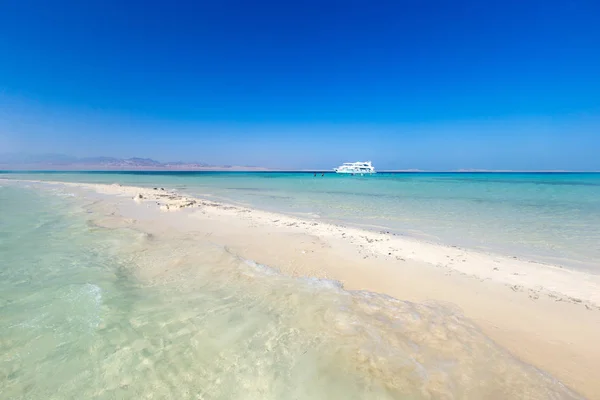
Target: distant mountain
64,162
98,160
180,163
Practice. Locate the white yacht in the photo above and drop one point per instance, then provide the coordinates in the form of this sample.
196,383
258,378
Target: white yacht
359,167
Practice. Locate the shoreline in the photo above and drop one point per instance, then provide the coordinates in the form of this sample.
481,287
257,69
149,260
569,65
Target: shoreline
559,280
545,315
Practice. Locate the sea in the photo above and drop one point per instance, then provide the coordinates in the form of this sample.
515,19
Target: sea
97,309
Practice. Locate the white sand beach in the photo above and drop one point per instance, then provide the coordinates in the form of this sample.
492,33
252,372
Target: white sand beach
545,315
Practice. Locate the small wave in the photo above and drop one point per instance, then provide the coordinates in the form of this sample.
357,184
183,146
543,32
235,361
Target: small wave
261,267
88,297
323,283
95,292
310,281
59,194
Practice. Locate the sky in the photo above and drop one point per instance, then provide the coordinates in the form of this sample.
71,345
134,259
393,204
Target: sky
435,85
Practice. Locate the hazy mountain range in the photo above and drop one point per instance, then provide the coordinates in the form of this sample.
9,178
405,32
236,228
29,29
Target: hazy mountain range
61,161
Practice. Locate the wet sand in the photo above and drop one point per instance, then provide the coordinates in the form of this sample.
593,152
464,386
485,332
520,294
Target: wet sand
545,315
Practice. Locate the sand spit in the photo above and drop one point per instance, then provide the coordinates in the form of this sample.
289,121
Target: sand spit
534,278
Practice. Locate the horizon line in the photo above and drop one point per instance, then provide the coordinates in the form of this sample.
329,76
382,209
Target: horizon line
282,170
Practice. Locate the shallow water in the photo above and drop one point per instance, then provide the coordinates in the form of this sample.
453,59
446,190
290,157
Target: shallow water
553,218
92,308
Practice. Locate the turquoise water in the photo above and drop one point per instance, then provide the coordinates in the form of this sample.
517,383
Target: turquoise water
94,307
549,217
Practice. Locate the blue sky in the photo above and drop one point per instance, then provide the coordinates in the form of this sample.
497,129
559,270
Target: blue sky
408,84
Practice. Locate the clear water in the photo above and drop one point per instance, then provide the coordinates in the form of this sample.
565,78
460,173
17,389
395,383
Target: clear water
91,308
549,217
